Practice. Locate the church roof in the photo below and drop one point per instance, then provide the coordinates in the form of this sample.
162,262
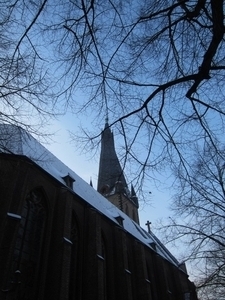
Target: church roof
15,141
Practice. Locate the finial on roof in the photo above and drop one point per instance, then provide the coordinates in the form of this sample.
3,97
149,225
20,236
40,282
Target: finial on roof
134,196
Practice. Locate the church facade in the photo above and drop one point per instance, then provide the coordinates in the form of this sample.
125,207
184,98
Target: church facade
61,239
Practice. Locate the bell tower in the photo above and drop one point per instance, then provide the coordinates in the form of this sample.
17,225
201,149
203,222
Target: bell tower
111,180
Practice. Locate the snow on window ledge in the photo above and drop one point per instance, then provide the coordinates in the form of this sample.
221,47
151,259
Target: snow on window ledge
101,257
67,240
14,216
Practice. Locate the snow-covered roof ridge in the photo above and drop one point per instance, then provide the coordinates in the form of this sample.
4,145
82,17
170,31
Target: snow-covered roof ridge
15,140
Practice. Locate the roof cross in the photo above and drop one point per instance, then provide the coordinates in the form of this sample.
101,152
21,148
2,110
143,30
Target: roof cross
148,224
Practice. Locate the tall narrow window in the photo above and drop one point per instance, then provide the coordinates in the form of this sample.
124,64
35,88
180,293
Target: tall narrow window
102,272
29,242
74,278
149,278
128,270
134,215
127,210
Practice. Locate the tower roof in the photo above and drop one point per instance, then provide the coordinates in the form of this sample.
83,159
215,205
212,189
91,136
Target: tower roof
110,171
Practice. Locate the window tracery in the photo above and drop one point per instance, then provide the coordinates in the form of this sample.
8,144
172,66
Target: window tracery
28,246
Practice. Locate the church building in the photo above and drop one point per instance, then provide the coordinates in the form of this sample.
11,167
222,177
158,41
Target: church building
61,239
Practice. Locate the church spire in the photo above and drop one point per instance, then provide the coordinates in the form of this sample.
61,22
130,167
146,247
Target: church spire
110,170
111,180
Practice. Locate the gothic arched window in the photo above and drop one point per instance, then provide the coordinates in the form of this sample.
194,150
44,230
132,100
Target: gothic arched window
29,242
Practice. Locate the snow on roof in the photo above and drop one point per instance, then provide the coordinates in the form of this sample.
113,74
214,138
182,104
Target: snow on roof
14,140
